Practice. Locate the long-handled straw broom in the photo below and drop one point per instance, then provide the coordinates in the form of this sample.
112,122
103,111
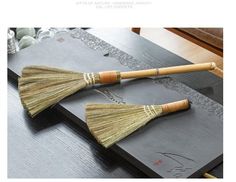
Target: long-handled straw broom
109,123
41,87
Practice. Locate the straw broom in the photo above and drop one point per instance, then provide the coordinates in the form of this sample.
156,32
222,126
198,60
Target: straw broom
41,87
110,123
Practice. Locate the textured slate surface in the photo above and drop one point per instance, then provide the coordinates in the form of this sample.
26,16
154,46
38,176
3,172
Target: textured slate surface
52,146
144,50
153,55
179,145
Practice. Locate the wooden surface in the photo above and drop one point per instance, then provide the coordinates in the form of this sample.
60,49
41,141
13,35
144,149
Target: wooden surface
197,41
182,47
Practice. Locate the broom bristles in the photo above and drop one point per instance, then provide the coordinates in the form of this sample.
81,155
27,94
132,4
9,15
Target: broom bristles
110,123
41,87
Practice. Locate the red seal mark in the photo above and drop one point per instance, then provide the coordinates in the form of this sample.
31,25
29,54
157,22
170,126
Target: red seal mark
157,162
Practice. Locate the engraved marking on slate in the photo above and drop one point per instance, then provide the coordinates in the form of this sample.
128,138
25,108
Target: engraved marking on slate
95,43
125,59
136,64
106,55
195,97
112,96
180,168
60,39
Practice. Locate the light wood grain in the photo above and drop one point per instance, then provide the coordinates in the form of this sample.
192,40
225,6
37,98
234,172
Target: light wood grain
175,106
183,48
168,70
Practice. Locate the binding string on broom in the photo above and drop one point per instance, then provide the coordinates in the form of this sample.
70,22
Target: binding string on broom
41,87
109,123
89,78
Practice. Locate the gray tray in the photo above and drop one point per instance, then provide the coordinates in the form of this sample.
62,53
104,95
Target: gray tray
183,144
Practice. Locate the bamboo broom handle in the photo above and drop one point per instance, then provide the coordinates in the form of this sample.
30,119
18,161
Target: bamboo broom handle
115,76
175,106
207,175
168,70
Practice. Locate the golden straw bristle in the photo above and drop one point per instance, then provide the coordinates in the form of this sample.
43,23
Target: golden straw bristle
110,123
41,87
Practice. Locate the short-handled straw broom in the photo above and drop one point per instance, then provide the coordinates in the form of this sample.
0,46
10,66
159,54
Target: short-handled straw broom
109,123
41,87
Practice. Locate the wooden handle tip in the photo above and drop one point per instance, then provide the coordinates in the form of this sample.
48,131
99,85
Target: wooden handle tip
213,66
175,106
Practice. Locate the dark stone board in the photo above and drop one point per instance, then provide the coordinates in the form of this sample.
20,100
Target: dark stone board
152,55
52,146
184,144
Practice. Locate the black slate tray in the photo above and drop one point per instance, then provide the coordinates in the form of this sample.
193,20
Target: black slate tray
184,144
